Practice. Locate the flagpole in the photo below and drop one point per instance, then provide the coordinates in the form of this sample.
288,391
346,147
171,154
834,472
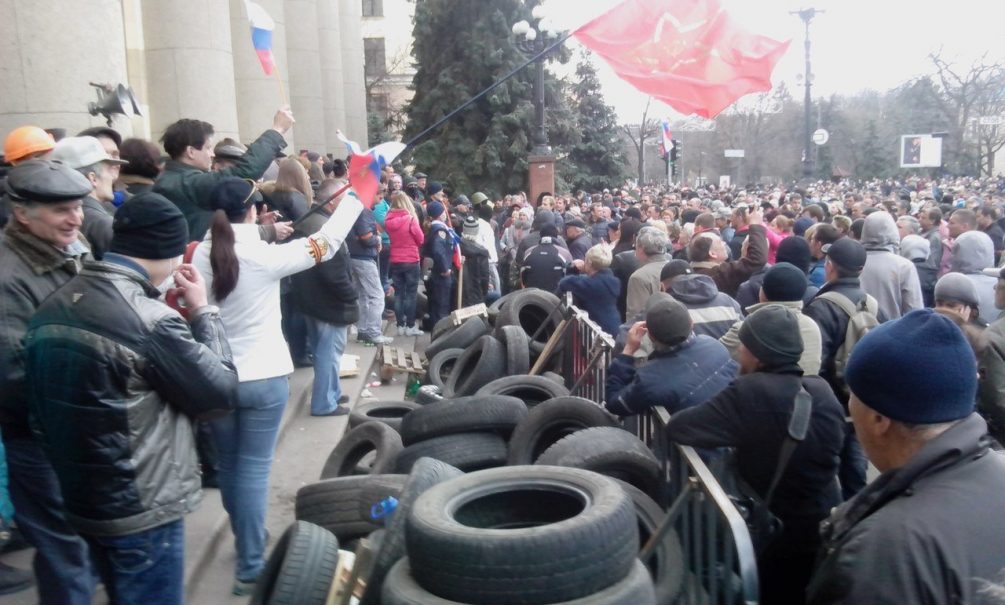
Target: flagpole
492,87
282,89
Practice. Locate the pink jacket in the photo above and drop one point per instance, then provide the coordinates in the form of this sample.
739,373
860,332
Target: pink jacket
406,236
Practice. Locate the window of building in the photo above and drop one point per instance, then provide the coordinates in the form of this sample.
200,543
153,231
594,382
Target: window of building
374,62
373,8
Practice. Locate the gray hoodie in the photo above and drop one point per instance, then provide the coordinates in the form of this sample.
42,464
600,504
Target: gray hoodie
890,278
973,252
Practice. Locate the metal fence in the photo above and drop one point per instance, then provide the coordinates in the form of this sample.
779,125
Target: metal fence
718,554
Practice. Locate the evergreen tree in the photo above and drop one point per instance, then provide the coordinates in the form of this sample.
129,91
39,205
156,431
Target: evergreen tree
597,160
873,161
376,129
459,49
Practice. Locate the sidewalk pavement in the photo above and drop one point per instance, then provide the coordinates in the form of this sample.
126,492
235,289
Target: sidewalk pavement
303,446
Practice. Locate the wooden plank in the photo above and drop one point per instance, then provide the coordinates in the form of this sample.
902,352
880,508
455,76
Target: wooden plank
457,317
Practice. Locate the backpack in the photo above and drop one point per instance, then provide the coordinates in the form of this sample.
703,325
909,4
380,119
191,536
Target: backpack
861,319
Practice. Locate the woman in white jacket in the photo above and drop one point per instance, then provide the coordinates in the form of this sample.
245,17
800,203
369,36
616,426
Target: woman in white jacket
243,273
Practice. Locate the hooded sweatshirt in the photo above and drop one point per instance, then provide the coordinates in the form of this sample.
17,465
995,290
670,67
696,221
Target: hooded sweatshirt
712,312
973,252
889,277
406,235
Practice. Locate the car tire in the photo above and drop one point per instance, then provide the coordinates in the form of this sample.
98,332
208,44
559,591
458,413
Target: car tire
376,437
529,534
528,309
461,338
388,412
428,393
480,364
498,414
300,569
517,349
666,567
441,365
532,390
342,505
551,421
466,451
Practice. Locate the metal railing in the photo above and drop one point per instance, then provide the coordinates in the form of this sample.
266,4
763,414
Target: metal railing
718,553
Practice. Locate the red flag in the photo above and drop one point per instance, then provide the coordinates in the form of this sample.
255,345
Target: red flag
690,54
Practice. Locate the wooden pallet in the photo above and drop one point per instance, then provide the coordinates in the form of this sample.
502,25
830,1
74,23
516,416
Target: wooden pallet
397,359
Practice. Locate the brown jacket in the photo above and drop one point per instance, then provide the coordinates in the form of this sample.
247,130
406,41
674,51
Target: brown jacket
730,274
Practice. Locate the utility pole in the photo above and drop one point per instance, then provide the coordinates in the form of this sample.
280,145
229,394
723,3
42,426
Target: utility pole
807,15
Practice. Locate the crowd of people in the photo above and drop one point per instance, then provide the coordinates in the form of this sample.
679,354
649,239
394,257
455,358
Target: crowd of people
153,305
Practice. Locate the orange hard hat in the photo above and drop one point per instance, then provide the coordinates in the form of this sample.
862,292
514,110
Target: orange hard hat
24,141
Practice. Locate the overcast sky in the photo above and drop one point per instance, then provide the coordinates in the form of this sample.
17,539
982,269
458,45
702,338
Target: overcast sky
857,44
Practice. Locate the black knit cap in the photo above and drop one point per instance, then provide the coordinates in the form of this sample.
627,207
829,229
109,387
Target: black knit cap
149,226
234,196
772,335
784,282
795,250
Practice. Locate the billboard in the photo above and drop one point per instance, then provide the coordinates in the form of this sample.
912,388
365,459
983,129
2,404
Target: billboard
920,151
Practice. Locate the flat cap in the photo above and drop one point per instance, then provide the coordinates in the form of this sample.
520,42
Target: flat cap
47,182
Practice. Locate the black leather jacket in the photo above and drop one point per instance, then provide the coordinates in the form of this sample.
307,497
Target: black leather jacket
115,378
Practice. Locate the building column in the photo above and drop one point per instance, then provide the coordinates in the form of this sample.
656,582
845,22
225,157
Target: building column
306,96
354,87
188,49
43,78
332,88
259,95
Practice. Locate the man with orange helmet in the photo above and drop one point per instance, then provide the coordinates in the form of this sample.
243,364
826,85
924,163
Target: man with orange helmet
22,144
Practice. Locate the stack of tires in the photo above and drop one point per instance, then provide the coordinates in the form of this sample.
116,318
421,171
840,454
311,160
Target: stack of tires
463,359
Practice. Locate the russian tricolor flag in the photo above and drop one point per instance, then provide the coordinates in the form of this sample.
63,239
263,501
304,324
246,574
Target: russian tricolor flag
666,141
365,167
261,35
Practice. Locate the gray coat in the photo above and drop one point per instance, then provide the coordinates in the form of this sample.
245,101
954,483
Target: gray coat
30,270
890,278
97,227
928,532
973,252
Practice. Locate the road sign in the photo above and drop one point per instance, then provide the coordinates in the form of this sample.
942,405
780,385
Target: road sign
733,153
991,120
821,136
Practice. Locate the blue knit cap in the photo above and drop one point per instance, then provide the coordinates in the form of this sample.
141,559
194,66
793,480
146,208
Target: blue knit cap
918,369
434,209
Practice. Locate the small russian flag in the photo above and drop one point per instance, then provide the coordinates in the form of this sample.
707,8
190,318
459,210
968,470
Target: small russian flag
261,35
365,167
666,141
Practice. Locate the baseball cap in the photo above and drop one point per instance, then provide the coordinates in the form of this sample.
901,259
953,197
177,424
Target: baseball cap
846,253
78,152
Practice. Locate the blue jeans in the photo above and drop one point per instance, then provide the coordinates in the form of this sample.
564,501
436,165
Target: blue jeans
246,441
145,568
328,342
366,277
384,260
406,288
62,564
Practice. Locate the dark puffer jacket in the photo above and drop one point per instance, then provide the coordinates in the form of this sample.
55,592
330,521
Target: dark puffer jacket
115,378
712,312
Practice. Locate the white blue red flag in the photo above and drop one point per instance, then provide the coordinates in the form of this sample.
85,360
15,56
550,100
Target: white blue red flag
261,35
666,140
365,167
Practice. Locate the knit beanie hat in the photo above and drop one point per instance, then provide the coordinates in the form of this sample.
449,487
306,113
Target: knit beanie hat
771,333
149,226
667,321
918,369
434,209
433,187
956,287
796,251
784,282
470,225
542,218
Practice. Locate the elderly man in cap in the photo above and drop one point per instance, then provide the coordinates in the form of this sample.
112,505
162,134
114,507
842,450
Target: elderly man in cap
683,370
116,379
227,153
929,528
187,179
42,250
577,239
87,156
752,416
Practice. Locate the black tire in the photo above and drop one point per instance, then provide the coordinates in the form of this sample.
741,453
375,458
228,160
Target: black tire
532,390
517,349
490,413
553,420
375,492
554,376
466,451
441,327
530,308
428,393
400,588
368,437
609,451
495,307
666,566
441,365
527,534
461,338
300,569
388,412
480,364
342,506
425,474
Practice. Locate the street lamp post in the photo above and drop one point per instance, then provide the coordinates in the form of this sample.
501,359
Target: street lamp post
807,15
531,40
